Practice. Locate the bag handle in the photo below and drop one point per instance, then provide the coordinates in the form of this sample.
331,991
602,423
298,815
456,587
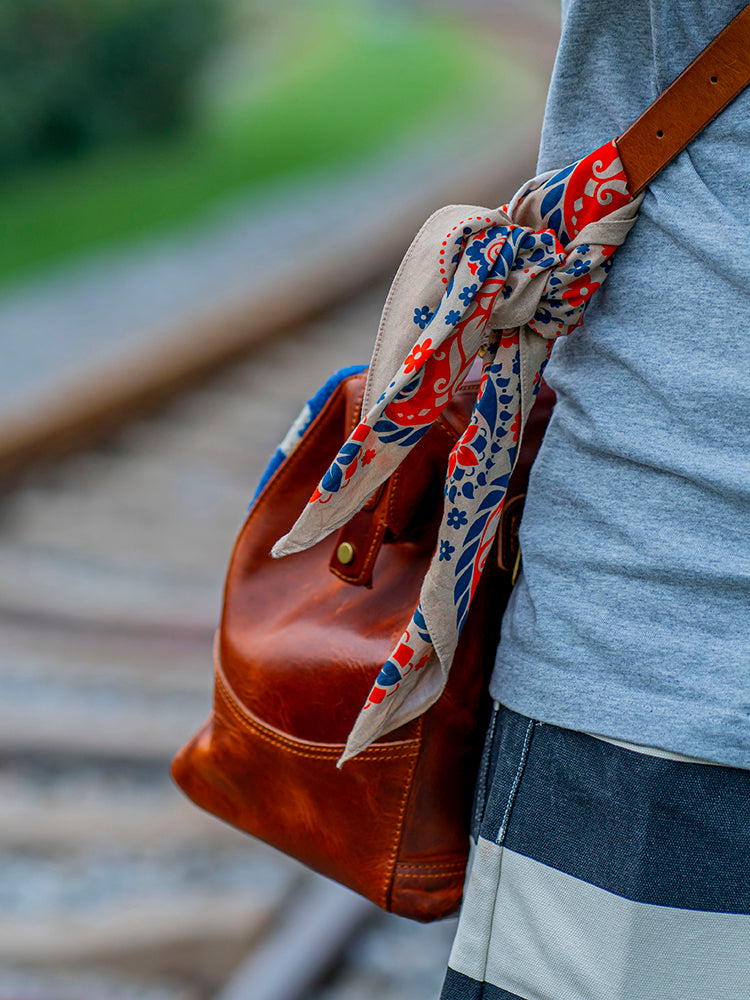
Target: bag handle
713,79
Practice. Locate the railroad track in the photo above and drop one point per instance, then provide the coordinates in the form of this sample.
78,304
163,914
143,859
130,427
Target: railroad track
111,562
112,886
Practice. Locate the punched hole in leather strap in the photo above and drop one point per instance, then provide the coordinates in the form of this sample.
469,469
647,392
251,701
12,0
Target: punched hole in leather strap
713,79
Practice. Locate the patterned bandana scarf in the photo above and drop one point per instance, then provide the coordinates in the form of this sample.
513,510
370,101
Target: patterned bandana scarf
502,284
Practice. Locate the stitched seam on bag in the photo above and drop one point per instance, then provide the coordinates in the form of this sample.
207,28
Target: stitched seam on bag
298,751
516,782
356,409
444,426
415,865
377,541
437,873
415,871
453,870
391,871
344,579
267,738
335,750
353,581
392,488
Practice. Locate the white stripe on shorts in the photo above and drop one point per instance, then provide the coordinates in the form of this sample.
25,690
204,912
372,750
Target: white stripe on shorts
544,934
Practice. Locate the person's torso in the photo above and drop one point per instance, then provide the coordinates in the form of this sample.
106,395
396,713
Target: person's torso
632,616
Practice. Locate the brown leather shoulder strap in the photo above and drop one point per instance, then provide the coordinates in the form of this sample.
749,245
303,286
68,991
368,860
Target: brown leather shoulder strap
700,92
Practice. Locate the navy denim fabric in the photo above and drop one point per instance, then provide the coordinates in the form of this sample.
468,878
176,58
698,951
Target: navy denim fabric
654,830
460,987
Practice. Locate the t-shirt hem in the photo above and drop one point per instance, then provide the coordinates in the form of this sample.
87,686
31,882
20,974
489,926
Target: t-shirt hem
605,714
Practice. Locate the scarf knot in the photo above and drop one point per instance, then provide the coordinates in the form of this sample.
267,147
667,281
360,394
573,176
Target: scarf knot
500,284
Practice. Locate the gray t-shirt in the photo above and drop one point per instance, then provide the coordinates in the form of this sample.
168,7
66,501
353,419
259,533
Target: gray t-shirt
632,616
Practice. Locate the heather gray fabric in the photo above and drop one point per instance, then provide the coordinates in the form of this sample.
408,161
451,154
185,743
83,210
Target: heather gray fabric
632,616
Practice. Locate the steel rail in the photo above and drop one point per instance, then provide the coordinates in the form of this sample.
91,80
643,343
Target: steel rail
90,407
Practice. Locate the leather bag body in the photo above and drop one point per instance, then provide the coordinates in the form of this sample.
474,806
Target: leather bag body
299,644
302,639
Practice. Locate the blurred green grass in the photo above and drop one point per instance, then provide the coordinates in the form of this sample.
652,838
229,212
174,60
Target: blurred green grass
343,80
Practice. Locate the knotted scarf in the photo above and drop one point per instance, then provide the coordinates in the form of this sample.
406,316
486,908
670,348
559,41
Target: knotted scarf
502,284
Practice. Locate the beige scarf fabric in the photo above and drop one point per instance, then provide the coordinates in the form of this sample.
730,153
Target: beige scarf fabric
506,282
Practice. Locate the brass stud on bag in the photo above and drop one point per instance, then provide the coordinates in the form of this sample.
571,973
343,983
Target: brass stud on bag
345,553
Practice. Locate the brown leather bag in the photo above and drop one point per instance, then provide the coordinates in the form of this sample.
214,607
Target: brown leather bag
299,643
301,639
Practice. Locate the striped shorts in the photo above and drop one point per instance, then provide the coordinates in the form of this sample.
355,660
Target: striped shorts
602,872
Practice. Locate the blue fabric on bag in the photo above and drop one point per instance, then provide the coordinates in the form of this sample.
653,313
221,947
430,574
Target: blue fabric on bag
310,411
632,615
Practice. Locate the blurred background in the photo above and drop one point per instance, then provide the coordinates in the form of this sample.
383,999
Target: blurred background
202,203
